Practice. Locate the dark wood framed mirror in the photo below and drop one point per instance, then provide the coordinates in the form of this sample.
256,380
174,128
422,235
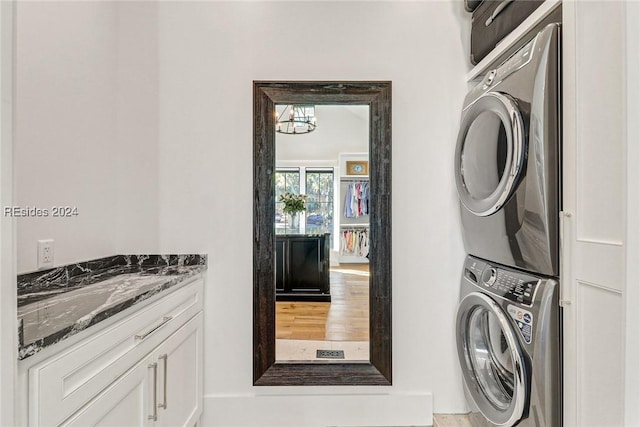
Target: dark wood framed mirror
266,370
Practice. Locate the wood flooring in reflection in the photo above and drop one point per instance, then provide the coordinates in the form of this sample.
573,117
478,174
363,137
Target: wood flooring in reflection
345,318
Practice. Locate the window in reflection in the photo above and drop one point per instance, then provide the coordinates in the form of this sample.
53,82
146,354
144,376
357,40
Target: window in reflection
287,181
319,190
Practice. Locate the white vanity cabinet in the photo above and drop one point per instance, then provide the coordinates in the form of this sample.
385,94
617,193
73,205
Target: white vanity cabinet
143,370
163,389
179,387
125,403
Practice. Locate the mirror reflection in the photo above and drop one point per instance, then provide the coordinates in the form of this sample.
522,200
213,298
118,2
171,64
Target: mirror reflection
322,232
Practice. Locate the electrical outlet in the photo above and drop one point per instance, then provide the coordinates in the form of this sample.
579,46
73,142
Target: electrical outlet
45,253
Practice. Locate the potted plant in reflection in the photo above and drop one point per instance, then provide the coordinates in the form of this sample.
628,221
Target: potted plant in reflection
293,205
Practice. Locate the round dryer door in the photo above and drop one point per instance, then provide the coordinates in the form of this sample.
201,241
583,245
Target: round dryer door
489,153
491,359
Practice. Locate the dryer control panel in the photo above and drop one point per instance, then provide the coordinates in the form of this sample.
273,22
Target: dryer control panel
511,285
516,61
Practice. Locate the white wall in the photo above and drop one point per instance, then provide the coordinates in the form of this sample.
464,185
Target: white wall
210,52
8,330
86,128
137,98
632,333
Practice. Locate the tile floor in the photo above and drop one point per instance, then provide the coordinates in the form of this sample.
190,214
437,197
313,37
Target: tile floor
472,419
451,420
287,350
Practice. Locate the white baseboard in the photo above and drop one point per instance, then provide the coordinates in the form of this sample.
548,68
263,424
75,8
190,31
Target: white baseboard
343,410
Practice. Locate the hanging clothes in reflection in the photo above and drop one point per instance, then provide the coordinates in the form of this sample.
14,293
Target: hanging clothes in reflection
354,241
356,199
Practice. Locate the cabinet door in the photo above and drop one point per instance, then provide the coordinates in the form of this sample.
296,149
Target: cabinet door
305,268
125,403
180,376
594,192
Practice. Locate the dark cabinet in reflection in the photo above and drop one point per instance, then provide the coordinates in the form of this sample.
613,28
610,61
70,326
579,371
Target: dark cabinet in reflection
302,267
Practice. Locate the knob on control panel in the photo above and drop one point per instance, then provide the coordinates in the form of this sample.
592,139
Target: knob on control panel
489,276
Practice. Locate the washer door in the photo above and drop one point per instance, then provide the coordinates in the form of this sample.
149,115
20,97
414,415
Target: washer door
493,366
489,153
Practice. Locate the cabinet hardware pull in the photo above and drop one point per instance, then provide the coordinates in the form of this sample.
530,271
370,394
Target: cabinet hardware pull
497,12
565,257
155,328
164,357
154,417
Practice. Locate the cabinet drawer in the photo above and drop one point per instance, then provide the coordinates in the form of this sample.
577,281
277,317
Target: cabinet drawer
62,384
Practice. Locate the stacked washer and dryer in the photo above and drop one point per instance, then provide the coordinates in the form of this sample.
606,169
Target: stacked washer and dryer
507,168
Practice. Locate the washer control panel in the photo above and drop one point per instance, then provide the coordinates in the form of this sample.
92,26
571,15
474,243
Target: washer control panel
511,285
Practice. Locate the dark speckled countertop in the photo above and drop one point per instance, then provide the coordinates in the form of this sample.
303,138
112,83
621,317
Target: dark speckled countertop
58,303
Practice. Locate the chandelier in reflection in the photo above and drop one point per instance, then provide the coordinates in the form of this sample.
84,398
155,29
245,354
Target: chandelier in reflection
296,119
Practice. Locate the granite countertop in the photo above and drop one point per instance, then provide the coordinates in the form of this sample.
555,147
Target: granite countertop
58,303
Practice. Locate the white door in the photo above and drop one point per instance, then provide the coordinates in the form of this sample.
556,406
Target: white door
125,403
594,236
179,389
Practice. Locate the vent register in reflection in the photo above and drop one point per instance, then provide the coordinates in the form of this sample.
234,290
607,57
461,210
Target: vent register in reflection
322,264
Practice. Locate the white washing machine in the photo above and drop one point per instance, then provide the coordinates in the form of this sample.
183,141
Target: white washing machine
509,346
